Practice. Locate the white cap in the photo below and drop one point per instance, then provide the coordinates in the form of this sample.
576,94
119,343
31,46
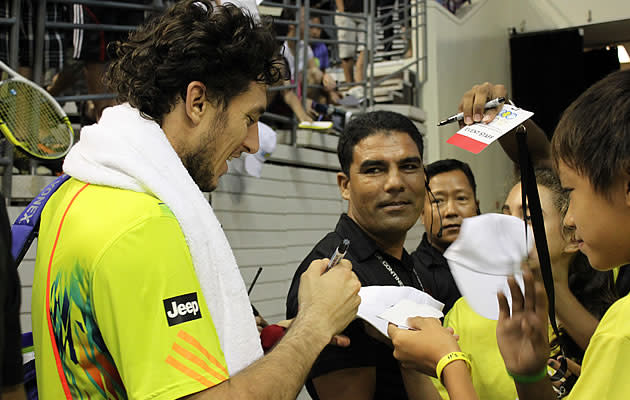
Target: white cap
489,248
267,142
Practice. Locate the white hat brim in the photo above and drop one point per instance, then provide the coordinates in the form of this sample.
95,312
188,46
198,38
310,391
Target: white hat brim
480,290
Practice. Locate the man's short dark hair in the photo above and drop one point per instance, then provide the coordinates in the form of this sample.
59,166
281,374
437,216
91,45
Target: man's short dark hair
593,136
448,165
222,47
372,123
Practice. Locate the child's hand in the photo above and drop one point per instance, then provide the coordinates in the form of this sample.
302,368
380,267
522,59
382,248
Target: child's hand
422,347
522,336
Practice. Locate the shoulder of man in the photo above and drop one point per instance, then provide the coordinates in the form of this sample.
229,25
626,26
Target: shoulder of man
323,249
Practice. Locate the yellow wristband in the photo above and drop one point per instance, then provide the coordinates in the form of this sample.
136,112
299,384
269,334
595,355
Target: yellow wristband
449,358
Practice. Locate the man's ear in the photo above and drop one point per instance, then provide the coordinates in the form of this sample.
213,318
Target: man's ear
196,104
343,181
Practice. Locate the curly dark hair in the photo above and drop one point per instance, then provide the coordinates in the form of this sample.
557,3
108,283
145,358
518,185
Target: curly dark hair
193,40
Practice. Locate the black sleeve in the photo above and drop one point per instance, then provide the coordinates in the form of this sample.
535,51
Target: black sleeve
11,346
323,249
362,351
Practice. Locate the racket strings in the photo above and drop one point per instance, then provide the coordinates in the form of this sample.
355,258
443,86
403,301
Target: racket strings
33,121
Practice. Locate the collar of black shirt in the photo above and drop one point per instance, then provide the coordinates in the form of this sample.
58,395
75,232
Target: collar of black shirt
363,247
428,255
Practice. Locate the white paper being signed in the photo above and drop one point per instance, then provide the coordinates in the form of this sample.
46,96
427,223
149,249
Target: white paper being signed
383,304
401,311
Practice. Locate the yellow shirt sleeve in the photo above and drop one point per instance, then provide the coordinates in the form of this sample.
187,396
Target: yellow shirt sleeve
601,377
606,358
152,314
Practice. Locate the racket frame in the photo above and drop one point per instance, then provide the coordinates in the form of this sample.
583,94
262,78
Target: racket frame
14,76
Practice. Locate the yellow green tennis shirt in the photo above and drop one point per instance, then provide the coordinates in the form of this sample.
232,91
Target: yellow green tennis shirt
117,309
605,362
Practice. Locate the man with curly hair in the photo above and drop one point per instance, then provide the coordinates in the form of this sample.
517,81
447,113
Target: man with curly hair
136,291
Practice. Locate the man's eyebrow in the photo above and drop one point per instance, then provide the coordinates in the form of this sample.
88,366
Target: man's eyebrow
414,159
371,163
453,191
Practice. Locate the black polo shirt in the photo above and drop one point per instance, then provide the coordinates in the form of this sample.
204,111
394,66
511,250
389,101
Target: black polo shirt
364,351
435,274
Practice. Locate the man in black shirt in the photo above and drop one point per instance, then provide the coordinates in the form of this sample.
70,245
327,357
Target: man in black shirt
382,179
452,197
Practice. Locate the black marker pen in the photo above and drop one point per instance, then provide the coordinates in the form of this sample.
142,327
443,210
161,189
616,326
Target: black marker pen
339,254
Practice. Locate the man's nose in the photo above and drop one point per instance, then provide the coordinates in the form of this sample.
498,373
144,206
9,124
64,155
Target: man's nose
394,181
251,142
450,208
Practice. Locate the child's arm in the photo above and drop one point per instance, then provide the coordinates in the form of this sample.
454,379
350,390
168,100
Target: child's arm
579,323
425,346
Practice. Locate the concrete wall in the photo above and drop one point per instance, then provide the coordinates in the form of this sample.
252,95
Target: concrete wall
463,52
534,15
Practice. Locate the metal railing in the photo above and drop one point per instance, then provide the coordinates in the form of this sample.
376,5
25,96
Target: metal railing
402,20
43,25
411,26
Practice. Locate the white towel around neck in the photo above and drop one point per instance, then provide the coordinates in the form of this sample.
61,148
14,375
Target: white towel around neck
127,151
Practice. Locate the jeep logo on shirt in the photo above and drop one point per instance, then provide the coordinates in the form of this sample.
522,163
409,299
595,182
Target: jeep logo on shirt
182,308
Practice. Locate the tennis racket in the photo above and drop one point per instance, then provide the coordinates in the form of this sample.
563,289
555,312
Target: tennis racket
31,119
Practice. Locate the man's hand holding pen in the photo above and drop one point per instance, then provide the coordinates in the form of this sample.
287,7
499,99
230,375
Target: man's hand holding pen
339,254
473,103
330,300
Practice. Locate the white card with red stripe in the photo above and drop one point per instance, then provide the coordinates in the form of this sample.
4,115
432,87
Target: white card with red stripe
476,137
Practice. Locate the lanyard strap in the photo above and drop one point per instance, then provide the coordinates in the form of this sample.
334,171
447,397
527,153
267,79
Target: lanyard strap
395,275
26,226
531,200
